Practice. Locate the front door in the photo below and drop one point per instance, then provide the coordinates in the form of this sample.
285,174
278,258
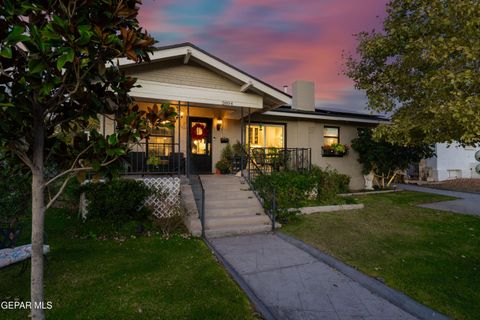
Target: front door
200,131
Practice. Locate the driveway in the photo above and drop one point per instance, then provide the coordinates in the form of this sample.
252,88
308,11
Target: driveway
468,203
293,284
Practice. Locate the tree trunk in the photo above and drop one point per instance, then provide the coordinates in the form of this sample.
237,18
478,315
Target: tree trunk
38,218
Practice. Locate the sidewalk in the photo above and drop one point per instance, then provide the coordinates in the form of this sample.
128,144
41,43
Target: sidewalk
466,204
293,284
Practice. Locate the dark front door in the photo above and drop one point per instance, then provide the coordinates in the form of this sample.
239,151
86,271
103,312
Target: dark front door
200,131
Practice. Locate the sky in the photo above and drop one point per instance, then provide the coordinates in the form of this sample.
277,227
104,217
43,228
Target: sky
277,41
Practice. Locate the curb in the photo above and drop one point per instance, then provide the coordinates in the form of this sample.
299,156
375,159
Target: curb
260,307
391,295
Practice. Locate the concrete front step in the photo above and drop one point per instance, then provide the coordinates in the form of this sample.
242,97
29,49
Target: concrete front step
239,203
212,196
237,230
221,222
240,211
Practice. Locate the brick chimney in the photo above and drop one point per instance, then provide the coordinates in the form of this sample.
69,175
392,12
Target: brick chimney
303,93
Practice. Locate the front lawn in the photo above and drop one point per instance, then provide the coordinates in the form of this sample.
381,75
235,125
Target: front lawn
430,255
147,277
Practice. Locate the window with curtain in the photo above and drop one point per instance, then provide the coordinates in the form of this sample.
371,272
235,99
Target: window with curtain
331,135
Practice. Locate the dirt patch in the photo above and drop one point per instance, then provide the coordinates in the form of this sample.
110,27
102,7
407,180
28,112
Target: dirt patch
464,185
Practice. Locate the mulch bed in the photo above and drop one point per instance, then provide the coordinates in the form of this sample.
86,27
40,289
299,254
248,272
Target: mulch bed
463,185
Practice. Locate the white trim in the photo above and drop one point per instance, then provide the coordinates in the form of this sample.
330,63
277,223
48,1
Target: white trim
187,56
321,117
216,64
246,86
174,92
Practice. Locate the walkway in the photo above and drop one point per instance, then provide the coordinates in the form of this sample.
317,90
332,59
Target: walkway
468,203
295,285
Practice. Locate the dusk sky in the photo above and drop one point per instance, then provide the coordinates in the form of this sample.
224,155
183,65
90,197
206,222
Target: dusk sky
277,41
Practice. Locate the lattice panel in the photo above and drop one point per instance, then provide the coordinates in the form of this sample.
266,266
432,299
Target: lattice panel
166,202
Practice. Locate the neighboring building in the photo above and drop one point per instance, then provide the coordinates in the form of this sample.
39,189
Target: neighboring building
218,103
450,162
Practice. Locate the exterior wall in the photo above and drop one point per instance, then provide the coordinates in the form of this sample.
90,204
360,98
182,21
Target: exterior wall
175,72
452,162
309,134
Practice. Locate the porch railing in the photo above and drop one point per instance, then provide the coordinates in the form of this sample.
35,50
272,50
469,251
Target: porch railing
269,160
154,158
198,193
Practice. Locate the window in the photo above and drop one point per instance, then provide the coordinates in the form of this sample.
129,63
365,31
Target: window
160,142
266,135
331,135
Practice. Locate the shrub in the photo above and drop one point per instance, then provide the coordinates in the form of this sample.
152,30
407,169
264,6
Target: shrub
117,200
15,193
293,189
223,165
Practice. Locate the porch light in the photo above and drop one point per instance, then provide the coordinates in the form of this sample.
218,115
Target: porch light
219,124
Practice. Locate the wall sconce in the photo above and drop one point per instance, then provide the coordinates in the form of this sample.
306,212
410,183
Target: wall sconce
181,114
219,124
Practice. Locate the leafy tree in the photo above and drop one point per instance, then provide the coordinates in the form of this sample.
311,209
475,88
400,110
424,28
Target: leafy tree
424,68
58,71
385,159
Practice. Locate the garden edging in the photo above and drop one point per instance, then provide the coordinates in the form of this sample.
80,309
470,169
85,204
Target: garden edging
332,208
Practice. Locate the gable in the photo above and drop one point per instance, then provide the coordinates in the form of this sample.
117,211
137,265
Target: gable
174,71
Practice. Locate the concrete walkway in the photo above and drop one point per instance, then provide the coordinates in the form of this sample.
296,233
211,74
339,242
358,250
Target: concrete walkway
295,285
468,203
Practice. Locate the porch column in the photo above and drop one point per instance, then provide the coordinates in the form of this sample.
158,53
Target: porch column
187,162
242,139
179,116
248,147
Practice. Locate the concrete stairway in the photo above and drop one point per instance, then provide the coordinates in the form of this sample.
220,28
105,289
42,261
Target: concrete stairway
231,208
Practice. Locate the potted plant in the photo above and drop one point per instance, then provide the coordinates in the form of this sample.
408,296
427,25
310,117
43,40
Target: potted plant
222,166
335,150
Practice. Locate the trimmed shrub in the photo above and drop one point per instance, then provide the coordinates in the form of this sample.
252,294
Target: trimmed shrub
117,200
293,189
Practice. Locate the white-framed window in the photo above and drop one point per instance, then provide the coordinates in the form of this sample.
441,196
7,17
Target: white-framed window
265,135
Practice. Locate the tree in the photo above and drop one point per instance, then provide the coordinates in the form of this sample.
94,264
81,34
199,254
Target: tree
58,71
384,159
424,69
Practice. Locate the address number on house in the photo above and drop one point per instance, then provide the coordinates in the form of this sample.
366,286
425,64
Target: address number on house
227,103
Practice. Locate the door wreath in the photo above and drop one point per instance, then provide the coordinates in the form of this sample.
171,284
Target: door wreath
198,132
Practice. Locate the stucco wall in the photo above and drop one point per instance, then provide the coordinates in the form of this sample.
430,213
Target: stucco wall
175,72
453,161
309,134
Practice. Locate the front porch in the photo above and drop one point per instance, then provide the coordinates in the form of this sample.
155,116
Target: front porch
194,144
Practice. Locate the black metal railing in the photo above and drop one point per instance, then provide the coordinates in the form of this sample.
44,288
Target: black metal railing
270,160
154,158
198,193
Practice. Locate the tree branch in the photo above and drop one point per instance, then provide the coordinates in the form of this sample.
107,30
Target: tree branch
23,156
64,185
75,170
72,167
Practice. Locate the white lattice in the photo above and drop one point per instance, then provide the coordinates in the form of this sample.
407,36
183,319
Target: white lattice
166,200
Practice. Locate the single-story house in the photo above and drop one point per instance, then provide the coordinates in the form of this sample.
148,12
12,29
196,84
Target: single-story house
450,162
219,103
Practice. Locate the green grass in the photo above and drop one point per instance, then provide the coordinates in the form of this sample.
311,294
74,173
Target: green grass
432,256
330,202
139,278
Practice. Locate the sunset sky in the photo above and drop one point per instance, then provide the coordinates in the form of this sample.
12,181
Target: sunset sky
276,40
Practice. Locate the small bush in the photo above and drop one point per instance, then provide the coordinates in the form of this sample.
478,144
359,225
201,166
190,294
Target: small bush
223,165
117,200
294,189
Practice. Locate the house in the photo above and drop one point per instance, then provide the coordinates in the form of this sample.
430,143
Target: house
219,103
450,162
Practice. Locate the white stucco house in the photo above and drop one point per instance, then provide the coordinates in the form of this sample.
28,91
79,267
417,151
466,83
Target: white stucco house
451,162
